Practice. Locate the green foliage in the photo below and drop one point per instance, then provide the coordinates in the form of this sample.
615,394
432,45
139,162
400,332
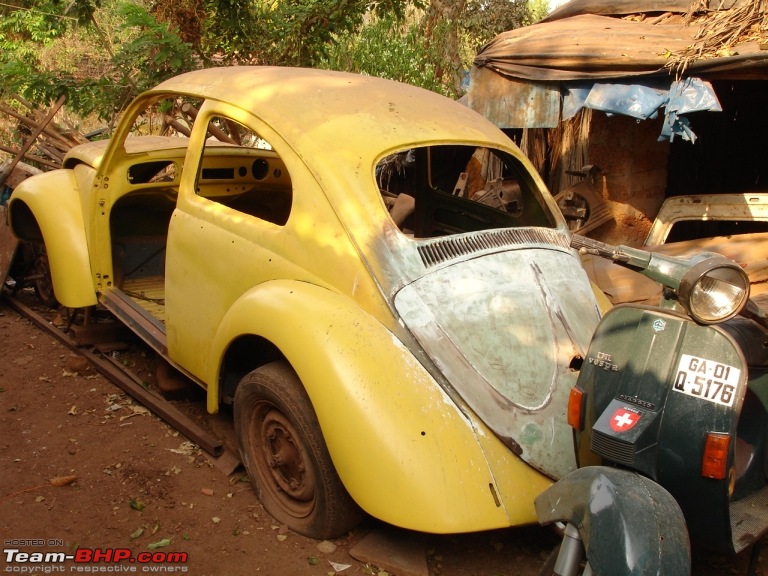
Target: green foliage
81,10
300,32
282,32
483,20
101,53
147,53
229,29
152,54
24,29
538,9
388,47
431,49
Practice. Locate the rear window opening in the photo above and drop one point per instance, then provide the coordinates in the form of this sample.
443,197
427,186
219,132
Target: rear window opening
440,190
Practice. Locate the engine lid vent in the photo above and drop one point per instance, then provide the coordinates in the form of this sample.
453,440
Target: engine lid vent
441,250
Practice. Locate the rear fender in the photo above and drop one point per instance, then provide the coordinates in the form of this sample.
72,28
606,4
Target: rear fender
403,449
46,208
629,525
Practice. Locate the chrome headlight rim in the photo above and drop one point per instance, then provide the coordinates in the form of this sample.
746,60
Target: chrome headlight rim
720,272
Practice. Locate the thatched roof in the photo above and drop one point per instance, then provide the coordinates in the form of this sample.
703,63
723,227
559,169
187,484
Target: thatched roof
600,39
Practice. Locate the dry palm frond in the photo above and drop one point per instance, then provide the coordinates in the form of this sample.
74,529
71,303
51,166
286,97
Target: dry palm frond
720,31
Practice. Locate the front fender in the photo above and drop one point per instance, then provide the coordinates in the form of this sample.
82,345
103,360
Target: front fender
628,523
46,208
403,449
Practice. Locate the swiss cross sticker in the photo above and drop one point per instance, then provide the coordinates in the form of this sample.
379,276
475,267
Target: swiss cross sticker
623,419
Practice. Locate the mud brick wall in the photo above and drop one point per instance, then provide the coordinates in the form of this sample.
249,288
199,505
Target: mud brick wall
634,174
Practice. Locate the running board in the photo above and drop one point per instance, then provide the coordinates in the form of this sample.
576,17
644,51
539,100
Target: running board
143,324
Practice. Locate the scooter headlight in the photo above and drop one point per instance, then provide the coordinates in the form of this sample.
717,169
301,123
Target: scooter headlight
714,290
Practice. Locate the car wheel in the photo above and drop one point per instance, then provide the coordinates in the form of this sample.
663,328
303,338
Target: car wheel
41,272
285,455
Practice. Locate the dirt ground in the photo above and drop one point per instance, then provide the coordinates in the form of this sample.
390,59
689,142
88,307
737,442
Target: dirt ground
82,466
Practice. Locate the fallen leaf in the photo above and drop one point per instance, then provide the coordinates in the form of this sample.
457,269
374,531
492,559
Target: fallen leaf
282,537
63,480
73,411
326,547
313,561
159,544
140,410
137,505
216,519
186,448
138,532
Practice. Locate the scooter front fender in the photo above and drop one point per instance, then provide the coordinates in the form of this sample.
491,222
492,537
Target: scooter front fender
629,525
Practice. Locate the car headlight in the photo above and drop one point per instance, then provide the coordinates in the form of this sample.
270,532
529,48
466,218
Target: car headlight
714,290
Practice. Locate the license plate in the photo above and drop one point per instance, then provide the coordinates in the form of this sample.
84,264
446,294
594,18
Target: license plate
707,379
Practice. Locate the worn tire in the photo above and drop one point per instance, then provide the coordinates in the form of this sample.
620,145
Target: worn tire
285,455
43,283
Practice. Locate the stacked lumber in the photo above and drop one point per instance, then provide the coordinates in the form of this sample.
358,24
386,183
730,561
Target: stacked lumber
45,141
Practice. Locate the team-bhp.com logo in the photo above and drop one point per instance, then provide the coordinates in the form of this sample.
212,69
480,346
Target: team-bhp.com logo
93,560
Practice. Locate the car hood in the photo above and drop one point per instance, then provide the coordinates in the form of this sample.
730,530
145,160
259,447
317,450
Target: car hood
505,329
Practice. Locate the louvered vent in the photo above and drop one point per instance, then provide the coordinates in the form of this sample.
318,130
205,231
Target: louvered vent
444,249
613,449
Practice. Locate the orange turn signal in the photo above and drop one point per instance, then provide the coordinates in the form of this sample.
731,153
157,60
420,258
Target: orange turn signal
576,401
715,461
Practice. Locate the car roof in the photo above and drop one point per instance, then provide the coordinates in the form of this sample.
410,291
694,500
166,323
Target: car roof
318,109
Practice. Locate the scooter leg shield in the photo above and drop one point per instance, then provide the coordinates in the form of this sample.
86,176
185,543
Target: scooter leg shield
628,523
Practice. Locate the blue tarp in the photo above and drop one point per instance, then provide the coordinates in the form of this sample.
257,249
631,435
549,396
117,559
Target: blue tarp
643,101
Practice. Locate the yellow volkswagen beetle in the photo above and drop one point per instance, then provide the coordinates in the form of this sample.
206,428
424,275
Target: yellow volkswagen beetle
371,274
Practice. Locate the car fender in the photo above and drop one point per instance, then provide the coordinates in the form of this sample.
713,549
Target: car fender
403,449
628,523
47,208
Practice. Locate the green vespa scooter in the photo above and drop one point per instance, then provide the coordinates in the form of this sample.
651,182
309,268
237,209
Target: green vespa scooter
674,401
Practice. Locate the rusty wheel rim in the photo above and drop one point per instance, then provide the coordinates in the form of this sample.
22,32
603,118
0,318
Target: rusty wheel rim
283,460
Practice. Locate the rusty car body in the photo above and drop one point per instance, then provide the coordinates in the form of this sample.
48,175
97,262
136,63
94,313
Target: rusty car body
371,275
